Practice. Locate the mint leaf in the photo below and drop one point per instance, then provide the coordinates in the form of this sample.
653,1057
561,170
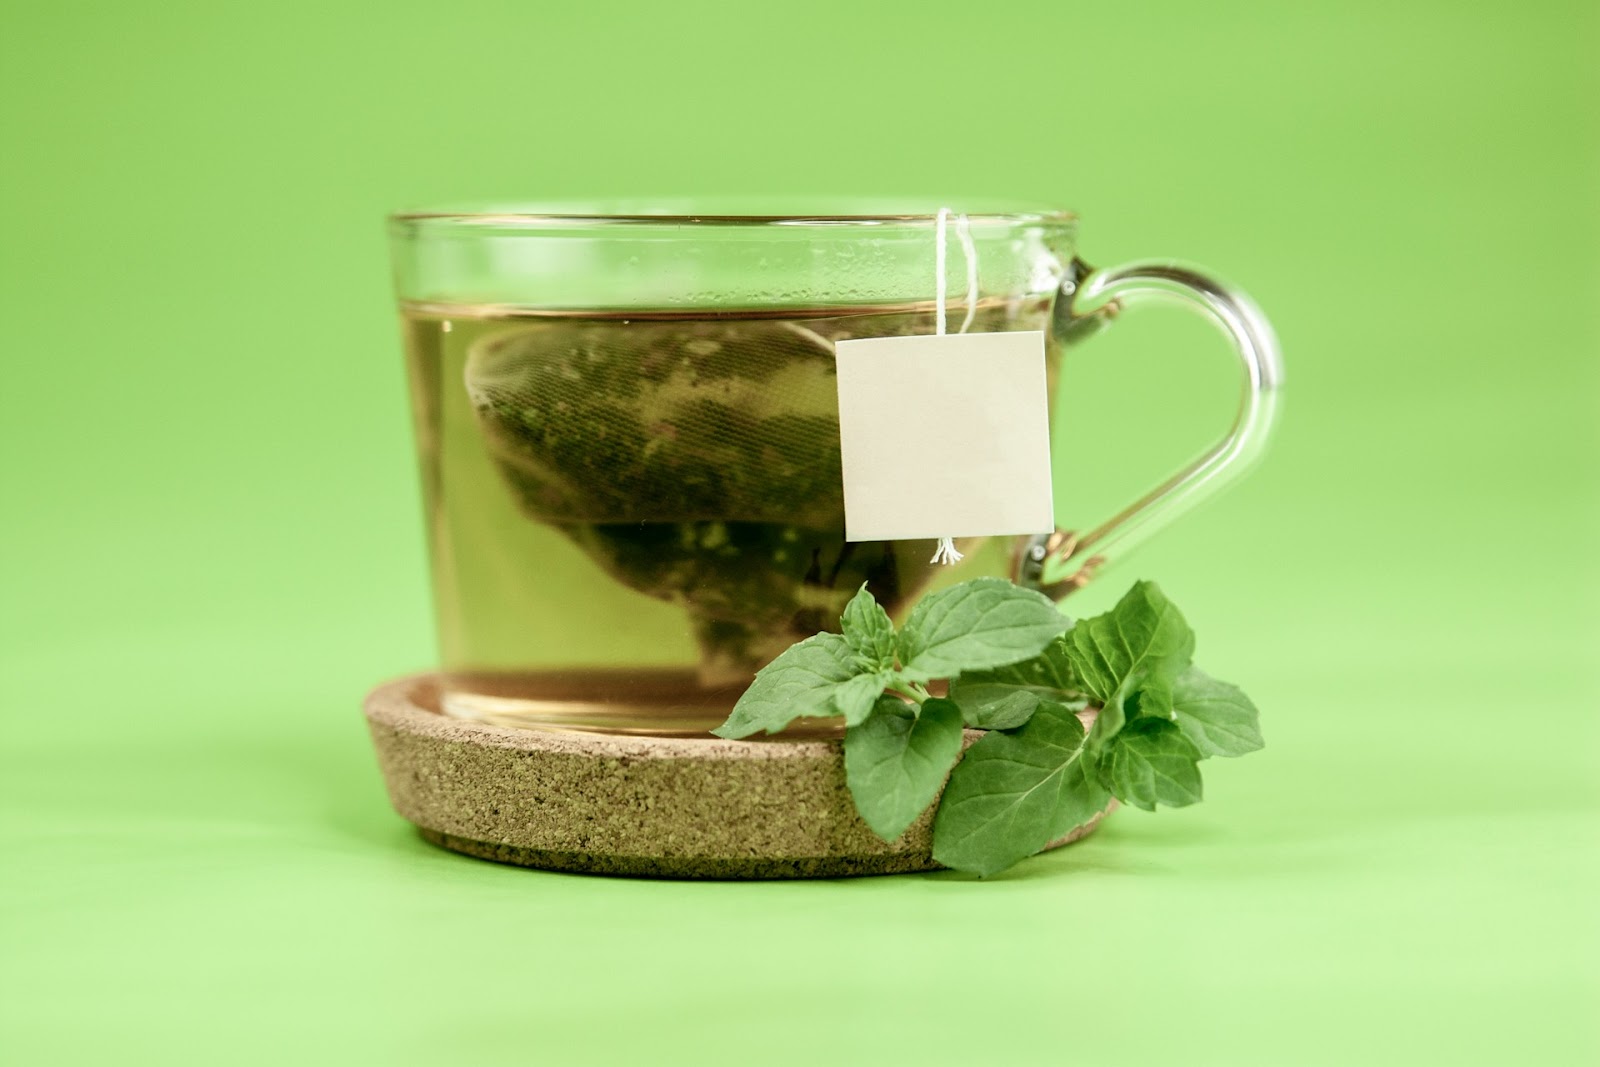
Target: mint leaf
868,629
854,699
995,707
1144,636
1151,763
1109,722
802,681
1049,671
1140,646
1013,794
897,759
975,626
1217,718
1005,697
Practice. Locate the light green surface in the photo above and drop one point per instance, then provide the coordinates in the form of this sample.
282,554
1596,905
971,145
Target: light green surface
211,542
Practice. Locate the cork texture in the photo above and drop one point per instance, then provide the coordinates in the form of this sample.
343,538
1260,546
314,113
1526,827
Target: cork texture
639,806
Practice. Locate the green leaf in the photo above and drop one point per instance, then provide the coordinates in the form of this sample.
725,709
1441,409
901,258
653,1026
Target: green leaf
1217,718
802,681
1143,637
1005,697
854,699
995,707
1131,701
868,629
1049,671
1014,793
1138,647
1151,763
975,626
897,759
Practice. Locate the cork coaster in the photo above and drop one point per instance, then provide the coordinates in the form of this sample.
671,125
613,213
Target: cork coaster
626,805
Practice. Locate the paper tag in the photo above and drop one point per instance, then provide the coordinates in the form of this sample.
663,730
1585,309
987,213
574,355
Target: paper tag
944,436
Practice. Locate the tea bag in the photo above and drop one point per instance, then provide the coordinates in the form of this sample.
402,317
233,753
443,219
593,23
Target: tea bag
974,458
696,460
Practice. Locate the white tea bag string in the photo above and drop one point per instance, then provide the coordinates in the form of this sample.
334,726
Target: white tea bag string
946,552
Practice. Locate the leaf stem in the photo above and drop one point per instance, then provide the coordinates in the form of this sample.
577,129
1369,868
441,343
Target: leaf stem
911,690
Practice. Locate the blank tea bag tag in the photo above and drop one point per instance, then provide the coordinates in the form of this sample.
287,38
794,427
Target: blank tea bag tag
944,436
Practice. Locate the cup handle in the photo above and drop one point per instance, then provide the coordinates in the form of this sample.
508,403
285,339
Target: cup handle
1063,561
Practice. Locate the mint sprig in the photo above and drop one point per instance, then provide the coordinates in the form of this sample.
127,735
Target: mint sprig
1018,669
972,626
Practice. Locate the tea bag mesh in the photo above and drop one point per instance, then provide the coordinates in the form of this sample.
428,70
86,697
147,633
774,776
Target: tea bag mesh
663,421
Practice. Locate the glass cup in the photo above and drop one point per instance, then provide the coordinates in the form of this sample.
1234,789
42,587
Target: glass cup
627,426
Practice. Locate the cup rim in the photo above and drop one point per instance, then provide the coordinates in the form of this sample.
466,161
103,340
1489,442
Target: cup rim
685,213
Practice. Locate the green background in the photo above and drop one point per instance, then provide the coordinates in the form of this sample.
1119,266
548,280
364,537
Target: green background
211,540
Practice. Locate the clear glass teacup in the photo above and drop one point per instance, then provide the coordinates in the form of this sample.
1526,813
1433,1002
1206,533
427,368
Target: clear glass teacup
627,425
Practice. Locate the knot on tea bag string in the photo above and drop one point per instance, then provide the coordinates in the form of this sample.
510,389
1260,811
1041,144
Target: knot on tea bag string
946,553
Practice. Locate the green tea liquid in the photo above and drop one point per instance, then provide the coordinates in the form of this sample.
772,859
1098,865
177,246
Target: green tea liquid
631,513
